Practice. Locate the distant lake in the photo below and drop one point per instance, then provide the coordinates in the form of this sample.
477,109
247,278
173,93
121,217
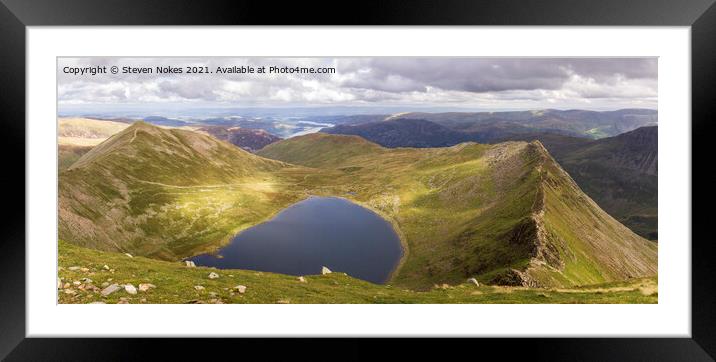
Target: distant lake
316,232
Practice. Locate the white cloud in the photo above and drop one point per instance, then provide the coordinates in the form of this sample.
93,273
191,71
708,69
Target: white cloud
465,82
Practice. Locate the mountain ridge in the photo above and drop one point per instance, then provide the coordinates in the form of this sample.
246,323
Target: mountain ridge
461,211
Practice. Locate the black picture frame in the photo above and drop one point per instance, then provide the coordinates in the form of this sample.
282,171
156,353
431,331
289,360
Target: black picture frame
16,15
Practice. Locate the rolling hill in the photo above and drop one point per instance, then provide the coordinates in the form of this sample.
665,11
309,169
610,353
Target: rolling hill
163,192
506,213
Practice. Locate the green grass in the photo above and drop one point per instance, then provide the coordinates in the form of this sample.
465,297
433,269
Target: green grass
175,284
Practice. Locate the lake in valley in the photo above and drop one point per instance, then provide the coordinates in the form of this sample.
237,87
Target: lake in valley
316,232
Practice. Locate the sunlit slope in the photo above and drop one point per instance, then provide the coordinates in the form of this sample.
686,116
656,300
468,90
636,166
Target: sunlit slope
319,149
503,213
165,193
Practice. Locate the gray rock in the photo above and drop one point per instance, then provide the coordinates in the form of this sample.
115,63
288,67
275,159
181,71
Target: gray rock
213,275
325,271
302,279
199,287
473,281
240,288
110,289
190,264
129,288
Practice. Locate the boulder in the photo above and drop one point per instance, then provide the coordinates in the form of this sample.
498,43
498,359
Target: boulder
240,288
473,281
325,271
146,286
105,267
302,279
129,288
213,275
190,264
199,287
110,289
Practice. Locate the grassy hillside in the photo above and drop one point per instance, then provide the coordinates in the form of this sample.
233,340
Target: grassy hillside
166,193
505,213
175,283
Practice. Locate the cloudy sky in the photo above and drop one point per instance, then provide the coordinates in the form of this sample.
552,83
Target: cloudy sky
479,83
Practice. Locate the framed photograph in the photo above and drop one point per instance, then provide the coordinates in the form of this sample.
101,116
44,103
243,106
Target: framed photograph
404,170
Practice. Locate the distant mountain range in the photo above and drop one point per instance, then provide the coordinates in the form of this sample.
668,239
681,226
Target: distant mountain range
250,140
484,126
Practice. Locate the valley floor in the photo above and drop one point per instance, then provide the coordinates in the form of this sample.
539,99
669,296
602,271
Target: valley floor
83,276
